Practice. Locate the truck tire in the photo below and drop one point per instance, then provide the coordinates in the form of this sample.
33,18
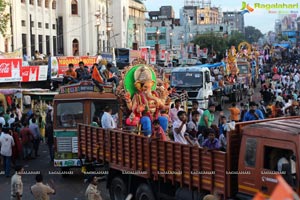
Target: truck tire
144,192
118,189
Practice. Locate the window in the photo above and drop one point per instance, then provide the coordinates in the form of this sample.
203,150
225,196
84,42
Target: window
39,3
46,3
40,38
54,5
32,24
53,26
74,7
46,25
67,116
97,107
75,47
272,155
250,154
124,14
31,2
22,1
24,44
23,22
40,24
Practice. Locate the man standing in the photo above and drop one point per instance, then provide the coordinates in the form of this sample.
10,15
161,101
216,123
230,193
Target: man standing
207,119
27,141
40,191
17,184
179,128
175,110
195,107
92,192
107,120
253,113
35,130
234,113
6,143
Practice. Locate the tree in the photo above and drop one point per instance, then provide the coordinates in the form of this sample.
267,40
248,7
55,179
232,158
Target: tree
235,38
4,17
252,34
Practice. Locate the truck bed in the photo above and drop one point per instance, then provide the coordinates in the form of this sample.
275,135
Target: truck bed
172,162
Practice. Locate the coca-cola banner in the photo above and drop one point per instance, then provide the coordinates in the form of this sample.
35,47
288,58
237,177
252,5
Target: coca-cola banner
34,73
144,54
10,70
152,57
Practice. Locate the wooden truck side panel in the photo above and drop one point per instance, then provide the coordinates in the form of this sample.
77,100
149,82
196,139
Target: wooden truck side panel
185,165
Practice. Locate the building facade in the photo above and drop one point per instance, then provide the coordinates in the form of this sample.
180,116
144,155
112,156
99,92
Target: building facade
234,20
32,27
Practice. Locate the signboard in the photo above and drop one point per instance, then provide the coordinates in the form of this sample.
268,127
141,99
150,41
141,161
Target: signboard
134,54
34,73
153,57
60,64
144,54
10,70
107,56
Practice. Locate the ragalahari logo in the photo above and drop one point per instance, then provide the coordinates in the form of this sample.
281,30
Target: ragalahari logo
246,8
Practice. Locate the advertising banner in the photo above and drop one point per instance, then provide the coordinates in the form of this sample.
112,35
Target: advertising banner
60,64
11,70
163,54
134,54
34,73
153,57
144,54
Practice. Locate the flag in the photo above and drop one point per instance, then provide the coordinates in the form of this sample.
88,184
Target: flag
96,75
282,190
259,196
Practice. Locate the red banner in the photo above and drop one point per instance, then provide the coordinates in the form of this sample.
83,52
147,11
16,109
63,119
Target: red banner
11,70
144,54
153,57
60,64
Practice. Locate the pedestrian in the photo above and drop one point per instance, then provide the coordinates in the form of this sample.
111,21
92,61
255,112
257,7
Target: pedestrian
234,113
6,143
17,148
253,113
34,128
40,191
107,120
92,192
50,139
17,184
27,141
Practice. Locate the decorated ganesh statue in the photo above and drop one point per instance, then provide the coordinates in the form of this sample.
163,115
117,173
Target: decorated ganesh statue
143,92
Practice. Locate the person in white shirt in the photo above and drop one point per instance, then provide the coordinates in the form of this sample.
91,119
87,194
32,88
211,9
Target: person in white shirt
2,120
107,120
6,143
179,128
175,110
11,120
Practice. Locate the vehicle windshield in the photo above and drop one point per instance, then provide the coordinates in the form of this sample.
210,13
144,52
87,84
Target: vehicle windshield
97,108
243,69
187,79
67,116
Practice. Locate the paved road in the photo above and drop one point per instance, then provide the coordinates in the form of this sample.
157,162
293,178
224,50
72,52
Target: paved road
69,188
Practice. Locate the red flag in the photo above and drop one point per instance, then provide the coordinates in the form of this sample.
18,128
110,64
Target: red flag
96,75
259,196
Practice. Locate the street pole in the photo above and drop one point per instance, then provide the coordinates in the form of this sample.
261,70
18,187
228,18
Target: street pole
171,34
157,42
107,27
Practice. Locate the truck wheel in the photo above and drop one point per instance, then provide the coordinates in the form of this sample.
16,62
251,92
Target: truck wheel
144,192
118,189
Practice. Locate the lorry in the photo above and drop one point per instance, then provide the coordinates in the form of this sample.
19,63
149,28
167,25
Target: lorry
195,80
77,103
152,169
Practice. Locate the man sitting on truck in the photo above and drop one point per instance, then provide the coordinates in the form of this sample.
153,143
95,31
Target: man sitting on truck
70,75
211,142
82,72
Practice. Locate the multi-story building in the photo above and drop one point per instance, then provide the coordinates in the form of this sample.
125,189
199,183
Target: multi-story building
32,27
234,20
200,15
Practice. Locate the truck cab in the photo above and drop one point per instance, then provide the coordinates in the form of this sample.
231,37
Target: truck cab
195,80
77,103
265,148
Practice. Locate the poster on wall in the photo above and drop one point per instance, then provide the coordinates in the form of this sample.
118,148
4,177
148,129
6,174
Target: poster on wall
144,54
153,57
10,70
162,54
34,73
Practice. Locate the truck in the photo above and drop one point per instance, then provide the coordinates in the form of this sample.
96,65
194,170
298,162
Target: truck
152,169
195,80
77,103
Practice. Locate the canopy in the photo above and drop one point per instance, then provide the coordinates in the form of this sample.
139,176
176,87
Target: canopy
282,45
219,64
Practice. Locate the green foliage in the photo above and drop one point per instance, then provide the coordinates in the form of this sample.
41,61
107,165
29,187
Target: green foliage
4,17
235,38
252,34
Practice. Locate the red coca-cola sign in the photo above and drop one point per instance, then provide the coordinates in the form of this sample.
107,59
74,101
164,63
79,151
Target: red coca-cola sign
10,70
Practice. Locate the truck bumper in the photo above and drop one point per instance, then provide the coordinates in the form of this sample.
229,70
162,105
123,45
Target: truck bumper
68,162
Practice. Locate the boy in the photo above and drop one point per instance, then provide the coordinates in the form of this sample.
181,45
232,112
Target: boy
192,127
211,142
157,131
223,127
179,128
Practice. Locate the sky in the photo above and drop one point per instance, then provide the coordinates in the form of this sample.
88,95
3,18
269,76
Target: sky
259,18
